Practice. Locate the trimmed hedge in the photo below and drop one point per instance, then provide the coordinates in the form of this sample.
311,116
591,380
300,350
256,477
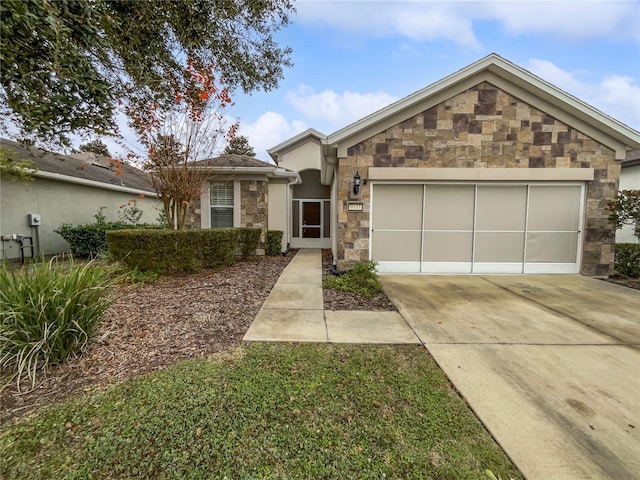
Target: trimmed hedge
89,241
274,242
627,259
181,250
248,241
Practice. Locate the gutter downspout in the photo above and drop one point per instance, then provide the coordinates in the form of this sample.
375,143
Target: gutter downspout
331,174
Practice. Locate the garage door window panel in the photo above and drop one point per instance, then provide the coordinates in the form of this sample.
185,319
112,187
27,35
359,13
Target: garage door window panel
449,207
398,207
558,247
563,201
501,208
499,247
447,246
396,246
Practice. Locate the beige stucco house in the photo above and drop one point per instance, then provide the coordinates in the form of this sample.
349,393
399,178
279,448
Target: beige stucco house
65,189
489,170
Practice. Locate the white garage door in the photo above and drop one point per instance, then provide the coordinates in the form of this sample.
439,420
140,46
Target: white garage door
482,228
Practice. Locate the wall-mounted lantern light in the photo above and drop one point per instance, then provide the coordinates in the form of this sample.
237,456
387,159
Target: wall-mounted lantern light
356,183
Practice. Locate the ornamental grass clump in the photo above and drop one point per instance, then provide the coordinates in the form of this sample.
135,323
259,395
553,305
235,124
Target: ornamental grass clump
48,312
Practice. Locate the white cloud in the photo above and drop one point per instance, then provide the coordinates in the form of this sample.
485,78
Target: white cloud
454,20
569,19
414,20
615,95
270,129
334,108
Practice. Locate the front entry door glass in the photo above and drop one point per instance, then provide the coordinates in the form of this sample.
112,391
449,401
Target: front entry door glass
311,219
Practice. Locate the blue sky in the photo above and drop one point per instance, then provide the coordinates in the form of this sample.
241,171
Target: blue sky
352,58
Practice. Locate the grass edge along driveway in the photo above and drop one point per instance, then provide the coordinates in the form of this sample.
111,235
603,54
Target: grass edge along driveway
264,411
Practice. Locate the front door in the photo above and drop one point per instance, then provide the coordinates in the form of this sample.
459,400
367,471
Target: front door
311,219
310,224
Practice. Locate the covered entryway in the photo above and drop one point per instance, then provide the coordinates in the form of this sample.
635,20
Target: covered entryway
477,228
311,212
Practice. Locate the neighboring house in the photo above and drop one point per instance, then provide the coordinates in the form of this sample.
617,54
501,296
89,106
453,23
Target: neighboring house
489,170
66,189
629,180
244,192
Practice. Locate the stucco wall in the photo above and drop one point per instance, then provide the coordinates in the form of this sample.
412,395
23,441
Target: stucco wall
629,180
278,208
304,156
483,127
58,203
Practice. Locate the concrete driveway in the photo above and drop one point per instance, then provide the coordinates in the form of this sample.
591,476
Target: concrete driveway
550,364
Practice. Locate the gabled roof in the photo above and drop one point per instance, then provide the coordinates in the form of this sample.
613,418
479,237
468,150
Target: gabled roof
89,168
245,165
308,133
234,160
620,136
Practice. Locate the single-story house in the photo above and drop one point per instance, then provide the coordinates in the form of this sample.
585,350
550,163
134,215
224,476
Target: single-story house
489,170
65,189
629,180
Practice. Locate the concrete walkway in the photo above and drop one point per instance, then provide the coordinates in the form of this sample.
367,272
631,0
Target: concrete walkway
294,312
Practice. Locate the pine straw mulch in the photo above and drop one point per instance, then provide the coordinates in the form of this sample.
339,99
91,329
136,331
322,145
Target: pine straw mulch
150,327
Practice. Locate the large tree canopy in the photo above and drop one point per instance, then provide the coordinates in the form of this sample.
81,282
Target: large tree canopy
67,66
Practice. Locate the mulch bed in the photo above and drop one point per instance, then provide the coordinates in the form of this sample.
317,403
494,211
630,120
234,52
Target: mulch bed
625,281
150,327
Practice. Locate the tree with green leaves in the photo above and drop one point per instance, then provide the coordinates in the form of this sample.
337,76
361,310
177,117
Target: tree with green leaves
95,146
69,66
15,169
625,210
239,145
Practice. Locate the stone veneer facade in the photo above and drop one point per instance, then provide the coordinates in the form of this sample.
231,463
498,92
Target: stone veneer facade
483,127
254,207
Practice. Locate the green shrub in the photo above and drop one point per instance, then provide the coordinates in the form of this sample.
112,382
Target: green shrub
361,279
248,241
164,250
47,313
274,242
88,241
627,259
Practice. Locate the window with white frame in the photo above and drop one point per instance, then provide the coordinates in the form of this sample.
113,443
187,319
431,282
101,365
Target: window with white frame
221,202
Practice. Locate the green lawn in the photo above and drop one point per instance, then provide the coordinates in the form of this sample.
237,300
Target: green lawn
266,411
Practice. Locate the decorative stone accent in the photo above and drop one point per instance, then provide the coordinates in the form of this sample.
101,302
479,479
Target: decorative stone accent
254,207
483,127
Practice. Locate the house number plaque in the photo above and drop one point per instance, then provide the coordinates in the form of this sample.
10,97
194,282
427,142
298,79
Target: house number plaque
354,207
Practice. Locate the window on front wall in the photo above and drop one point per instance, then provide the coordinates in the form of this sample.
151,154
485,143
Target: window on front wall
221,202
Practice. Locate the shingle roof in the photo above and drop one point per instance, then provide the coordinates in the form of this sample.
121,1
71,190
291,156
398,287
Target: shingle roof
86,166
234,160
